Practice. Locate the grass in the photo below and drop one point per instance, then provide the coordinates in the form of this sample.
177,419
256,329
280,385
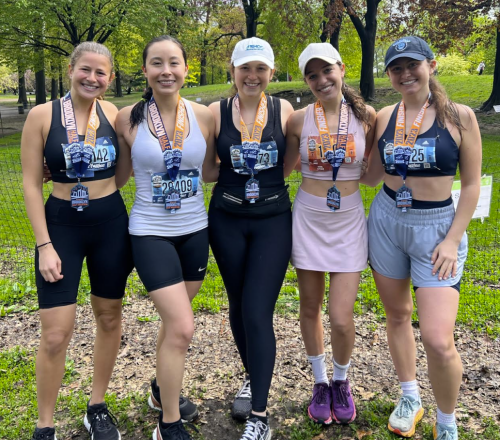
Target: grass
18,410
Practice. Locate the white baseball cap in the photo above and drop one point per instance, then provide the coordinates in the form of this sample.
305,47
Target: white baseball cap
252,49
323,51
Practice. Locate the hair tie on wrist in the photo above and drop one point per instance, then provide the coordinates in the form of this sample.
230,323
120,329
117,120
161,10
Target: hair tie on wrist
44,244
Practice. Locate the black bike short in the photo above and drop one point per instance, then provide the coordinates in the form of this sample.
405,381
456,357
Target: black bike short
165,261
99,233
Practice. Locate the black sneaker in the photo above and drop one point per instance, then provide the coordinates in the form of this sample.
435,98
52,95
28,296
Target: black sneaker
256,430
242,405
44,434
100,423
189,411
175,431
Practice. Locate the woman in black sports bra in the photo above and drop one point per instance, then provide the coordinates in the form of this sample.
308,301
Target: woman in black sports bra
84,217
414,233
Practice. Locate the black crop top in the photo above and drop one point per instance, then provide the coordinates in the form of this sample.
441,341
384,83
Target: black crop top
435,152
106,150
269,168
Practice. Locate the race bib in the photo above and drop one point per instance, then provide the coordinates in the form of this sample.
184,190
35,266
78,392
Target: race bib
103,157
186,184
422,155
267,157
316,155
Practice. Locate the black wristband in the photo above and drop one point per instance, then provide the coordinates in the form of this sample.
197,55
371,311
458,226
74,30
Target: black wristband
42,245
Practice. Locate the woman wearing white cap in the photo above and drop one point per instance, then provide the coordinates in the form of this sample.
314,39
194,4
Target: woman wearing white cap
415,234
250,224
329,224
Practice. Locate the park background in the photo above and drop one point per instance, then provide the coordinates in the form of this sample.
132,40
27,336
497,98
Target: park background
35,41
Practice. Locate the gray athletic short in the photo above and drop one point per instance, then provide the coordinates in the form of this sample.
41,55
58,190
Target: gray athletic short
400,244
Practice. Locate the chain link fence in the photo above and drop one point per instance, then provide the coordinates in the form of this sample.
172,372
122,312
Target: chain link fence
480,287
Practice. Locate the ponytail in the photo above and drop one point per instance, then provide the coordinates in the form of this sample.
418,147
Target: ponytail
357,104
446,109
137,113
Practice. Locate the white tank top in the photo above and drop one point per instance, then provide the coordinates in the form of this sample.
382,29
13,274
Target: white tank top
148,215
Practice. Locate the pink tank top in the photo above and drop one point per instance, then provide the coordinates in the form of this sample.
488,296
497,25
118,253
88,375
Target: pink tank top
313,163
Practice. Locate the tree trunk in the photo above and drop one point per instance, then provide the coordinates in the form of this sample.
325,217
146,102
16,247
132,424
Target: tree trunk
366,82
334,38
494,98
118,83
367,34
40,92
53,89
252,14
61,85
203,64
22,88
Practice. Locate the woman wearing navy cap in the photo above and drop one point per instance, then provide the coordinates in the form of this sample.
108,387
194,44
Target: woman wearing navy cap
414,233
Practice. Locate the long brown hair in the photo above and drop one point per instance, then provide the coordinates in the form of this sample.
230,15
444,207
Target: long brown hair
446,109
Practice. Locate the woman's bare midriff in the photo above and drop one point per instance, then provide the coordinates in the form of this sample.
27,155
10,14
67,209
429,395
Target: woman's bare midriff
97,189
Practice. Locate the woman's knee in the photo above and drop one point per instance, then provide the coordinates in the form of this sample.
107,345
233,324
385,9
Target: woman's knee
341,326
400,314
179,336
439,347
55,341
109,321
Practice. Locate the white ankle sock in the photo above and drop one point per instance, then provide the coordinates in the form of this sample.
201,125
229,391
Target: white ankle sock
340,371
446,419
319,368
410,388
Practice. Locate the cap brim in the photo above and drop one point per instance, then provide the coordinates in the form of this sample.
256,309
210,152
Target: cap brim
251,58
319,57
412,55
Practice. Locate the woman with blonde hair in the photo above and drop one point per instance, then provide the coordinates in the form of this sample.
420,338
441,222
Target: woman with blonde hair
84,217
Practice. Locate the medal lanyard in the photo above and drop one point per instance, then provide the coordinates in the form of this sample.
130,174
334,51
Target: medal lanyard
250,152
407,144
171,156
81,159
335,156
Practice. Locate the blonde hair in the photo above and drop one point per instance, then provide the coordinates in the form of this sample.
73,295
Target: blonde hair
89,46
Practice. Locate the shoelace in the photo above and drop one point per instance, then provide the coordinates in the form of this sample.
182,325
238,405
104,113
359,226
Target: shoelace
320,397
444,435
254,430
342,395
101,421
245,390
404,408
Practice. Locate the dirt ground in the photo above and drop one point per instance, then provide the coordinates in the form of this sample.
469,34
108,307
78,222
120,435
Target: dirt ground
214,372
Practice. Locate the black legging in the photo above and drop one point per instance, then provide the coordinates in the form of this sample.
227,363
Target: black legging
252,255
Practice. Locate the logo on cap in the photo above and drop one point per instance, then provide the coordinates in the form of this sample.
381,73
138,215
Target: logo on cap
255,47
401,44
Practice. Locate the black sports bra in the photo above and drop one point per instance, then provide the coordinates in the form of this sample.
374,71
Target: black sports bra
435,152
106,150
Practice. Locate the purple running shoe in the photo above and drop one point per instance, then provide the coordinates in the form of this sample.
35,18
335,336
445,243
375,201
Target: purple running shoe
343,408
320,408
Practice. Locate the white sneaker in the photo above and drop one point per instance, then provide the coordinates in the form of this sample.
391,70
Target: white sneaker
256,430
405,416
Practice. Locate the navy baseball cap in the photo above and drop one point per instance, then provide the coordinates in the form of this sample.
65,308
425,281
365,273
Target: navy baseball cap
409,47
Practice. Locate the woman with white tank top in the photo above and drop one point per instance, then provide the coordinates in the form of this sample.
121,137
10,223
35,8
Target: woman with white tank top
167,139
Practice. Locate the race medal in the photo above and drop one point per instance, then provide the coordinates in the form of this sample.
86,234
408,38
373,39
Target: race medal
79,197
404,198
252,190
250,144
172,154
333,198
335,155
403,146
81,153
172,200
